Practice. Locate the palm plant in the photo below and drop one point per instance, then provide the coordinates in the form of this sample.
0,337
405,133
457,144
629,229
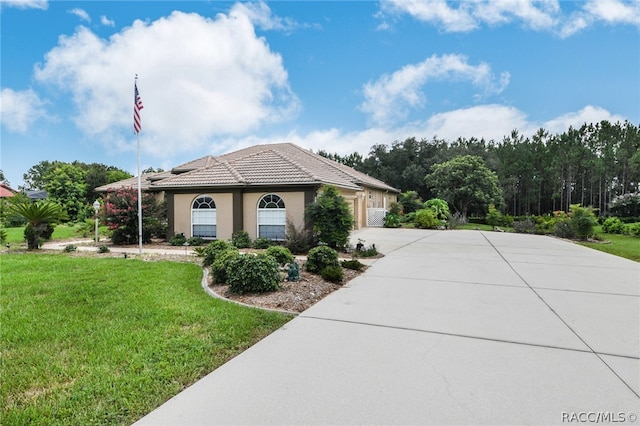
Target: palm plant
40,217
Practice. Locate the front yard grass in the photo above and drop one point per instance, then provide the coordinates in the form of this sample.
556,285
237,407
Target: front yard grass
105,341
620,245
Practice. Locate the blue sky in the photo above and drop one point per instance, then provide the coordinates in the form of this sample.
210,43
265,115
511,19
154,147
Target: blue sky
338,76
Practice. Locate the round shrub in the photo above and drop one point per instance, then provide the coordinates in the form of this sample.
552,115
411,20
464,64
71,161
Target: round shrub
178,240
241,239
195,241
333,274
248,273
262,243
426,218
70,248
320,257
613,225
221,263
213,249
281,254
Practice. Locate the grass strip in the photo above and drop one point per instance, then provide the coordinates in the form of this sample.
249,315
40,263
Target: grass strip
105,341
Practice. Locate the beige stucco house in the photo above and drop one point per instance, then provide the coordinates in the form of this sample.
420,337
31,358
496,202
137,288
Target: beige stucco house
259,189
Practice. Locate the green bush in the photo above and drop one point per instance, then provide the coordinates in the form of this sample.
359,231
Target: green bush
247,273
178,240
410,201
281,254
70,248
583,220
613,225
213,249
321,257
633,229
262,243
333,274
354,264
439,207
391,221
195,241
221,263
241,239
103,249
426,219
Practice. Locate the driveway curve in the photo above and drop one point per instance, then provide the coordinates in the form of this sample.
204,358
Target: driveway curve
450,327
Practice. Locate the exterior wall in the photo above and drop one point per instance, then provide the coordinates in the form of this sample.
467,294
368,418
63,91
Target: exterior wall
237,209
294,203
360,201
224,213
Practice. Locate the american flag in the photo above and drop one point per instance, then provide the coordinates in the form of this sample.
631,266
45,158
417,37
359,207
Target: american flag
137,106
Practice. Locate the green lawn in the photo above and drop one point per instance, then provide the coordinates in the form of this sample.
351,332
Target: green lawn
620,245
15,236
106,340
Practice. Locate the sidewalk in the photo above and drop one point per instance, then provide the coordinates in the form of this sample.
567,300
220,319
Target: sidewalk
450,327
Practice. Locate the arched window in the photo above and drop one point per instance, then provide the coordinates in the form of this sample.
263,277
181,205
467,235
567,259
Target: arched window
272,217
203,217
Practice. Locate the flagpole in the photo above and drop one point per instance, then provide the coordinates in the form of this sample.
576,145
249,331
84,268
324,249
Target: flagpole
139,200
139,177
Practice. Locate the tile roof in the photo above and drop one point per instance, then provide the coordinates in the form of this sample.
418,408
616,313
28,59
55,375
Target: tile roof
275,164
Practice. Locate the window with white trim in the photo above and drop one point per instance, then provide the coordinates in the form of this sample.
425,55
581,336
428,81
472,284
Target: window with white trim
203,217
272,217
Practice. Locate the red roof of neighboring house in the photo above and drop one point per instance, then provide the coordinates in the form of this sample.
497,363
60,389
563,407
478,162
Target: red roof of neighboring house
6,191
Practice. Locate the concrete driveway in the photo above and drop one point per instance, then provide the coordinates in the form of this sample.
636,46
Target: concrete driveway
450,327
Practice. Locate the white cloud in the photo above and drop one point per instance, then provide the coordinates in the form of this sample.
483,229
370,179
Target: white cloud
25,4
614,11
491,122
261,16
80,13
107,22
437,12
588,114
540,15
391,96
199,79
20,109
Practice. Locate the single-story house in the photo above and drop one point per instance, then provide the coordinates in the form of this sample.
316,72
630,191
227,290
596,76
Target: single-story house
258,189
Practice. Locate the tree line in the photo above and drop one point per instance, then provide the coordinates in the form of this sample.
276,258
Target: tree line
590,165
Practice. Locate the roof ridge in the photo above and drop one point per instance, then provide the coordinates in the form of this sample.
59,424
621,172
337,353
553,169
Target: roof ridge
236,174
295,163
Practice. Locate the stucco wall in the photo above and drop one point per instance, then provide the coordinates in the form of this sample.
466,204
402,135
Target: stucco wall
224,213
293,202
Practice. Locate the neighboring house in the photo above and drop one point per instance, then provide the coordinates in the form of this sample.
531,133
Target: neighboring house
259,189
6,191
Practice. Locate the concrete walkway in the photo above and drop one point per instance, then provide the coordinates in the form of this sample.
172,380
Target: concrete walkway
450,327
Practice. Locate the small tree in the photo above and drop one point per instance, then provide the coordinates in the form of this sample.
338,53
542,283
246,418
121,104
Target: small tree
121,215
465,182
583,220
40,217
332,220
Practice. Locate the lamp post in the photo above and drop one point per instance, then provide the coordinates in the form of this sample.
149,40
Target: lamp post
96,207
